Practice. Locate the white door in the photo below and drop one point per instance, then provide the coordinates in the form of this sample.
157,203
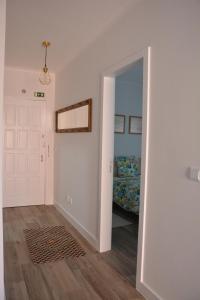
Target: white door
24,153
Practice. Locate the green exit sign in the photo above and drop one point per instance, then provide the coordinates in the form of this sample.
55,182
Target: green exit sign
39,94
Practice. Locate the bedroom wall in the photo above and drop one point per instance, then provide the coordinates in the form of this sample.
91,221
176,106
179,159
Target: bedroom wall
128,102
172,245
2,56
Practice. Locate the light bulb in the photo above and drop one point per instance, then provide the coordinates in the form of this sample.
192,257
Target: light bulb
45,77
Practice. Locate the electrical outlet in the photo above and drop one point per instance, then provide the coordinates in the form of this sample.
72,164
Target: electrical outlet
68,201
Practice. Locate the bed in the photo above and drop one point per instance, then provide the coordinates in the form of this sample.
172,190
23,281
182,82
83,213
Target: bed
126,183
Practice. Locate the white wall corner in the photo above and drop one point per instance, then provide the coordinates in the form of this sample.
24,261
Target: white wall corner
83,231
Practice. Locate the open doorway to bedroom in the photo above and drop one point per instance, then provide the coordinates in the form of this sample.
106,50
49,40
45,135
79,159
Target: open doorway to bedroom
133,122
127,168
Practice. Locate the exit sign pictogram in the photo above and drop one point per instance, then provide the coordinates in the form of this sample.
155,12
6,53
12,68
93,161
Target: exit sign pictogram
39,94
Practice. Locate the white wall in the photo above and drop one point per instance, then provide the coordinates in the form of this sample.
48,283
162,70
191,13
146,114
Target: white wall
2,52
15,81
172,245
128,102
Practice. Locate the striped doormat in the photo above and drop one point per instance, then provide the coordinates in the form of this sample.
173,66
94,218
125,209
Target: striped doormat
51,243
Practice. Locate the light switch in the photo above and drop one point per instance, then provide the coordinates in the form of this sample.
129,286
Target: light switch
194,173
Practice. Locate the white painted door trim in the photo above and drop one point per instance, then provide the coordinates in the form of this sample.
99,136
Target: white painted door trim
105,160
2,63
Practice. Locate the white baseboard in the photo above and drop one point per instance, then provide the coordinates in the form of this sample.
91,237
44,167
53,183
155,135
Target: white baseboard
86,234
145,290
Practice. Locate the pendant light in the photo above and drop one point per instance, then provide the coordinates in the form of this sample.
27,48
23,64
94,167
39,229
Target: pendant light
45,76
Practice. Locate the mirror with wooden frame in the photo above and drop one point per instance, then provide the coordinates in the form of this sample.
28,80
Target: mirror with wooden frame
75,118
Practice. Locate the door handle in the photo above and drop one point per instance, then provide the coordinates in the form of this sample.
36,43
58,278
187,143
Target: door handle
41,158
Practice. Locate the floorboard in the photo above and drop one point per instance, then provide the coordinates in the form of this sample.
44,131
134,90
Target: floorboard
123,256
92,277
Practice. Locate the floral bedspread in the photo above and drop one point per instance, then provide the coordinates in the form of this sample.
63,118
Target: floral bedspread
126,193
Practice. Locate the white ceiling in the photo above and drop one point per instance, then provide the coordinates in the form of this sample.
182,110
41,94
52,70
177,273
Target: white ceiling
70,25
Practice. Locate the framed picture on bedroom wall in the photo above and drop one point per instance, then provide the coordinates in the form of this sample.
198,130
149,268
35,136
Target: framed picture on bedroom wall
135,125
119,123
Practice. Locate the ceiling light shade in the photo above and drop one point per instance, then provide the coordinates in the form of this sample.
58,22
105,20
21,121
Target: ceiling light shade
45,76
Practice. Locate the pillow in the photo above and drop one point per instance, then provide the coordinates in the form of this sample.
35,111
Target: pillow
136,166
127,166
126,171
126,163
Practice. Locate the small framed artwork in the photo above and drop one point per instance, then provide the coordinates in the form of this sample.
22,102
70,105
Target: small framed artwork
119,123
135,125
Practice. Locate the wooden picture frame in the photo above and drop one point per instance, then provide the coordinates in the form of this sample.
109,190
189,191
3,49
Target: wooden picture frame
120,124
135,125
75,118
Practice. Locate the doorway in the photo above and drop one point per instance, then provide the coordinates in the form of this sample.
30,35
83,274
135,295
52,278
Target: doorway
127,168
107,155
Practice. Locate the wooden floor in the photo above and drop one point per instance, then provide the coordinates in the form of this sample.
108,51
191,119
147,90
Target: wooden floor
95,276
123,257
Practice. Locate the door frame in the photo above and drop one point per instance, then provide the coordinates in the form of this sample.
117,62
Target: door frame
106,166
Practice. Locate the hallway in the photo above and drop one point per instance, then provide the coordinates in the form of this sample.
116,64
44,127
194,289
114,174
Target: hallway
94,276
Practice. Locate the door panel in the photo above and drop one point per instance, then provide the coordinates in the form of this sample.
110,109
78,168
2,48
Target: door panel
10,187
21,187
21,163
9,163
35,191
34,140
22,136
22,116
35,117
10,115
24,153
34,164
10,139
